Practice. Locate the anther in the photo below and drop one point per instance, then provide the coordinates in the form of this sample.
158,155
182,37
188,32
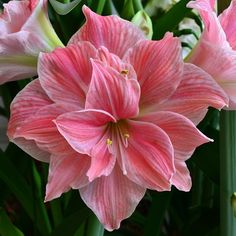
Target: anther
109,142
124,72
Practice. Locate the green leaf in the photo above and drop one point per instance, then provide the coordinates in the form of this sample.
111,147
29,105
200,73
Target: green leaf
170,20
7,228
160,203
16,183
64,8
71,223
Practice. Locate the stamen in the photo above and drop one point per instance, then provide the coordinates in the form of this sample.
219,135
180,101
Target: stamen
124,72
109,142
109,145
126,136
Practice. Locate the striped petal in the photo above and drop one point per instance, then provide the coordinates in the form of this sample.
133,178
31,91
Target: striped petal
67,71
112,32
158,66
112,198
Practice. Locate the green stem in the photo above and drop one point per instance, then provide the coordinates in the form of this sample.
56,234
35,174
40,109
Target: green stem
227,171
100,6
94,227
137,5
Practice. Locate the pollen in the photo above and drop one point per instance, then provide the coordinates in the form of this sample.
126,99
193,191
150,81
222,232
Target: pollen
126,136
124,72
109,142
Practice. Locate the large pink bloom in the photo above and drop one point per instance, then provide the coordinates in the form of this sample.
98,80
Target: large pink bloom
108,111
215,51
25,30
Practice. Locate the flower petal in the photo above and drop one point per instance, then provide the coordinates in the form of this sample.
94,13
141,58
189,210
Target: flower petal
195,93
148,159
213,31
184,136
87,132
83,129
67,71
43,37
116,63
159,66
228,23
111,92
112,32
27,103
182,179
66,172
112,198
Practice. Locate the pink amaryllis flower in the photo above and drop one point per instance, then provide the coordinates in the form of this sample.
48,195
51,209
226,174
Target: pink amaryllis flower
215,51
107,113
25,30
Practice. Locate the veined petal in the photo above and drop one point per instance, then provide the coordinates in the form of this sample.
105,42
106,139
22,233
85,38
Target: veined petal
40,27
27,103
83,129
116,63
220,63
159,67
112,198
67,71
41,128
184,136
148,159
195,93
112,32
13,10
213,31
66,172
112,92
228,23
182,179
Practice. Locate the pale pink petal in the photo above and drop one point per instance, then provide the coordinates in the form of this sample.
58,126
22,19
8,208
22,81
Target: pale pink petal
32,148
184,136
13,10
159,66
148,158
195,93
26,103
220,63
116,63
182,179
213,31
112,92
43,37
88,131
83,129
41,128
112,198
228,23
112,32
66,172
66,72
23,34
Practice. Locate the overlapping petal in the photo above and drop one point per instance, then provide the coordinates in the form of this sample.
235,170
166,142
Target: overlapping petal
148,159
112,32
87,131
112,92
158,66
66,172
195,93
21,40
112,198
213,52
174,124
67,71
182,179
228,22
